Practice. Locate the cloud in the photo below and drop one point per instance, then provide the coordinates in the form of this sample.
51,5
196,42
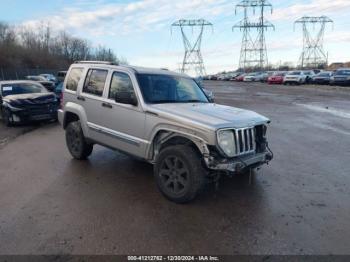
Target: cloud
313,8
99,20
143,15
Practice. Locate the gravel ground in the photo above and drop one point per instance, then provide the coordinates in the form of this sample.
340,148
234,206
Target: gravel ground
299,204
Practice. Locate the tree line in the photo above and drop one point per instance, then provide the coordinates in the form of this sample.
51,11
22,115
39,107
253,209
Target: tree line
40,47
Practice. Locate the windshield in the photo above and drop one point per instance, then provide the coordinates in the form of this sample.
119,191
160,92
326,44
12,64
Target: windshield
343,72
324,74
22,88
295,73
36,78
278,74
158,89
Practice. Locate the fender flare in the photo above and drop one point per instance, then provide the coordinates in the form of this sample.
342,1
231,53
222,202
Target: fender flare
162,134
80,112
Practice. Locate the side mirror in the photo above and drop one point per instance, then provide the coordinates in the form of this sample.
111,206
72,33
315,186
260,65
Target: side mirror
127,98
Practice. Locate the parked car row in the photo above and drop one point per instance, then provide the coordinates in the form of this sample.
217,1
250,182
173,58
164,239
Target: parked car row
50,85
36,98
24,101
337,77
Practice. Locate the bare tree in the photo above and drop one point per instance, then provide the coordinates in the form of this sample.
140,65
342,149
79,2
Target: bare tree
38,47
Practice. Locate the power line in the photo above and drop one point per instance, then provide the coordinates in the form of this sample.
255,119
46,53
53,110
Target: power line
313,54
253,50
193,56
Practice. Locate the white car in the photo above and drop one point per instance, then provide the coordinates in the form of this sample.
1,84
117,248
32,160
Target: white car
295,77
221,77
49,77
250,77
164,118
309,75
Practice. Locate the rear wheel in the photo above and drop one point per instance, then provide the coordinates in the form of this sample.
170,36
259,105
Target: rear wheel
76,142
179,173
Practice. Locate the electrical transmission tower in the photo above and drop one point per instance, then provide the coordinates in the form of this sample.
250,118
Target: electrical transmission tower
313,55
193,59
253,50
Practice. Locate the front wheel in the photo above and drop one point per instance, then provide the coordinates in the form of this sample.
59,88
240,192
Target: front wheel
76,142
179,173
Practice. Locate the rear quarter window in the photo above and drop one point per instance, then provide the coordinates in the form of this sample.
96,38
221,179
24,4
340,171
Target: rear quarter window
73,79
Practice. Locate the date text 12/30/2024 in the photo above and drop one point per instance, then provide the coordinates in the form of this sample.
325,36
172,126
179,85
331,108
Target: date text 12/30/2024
173,258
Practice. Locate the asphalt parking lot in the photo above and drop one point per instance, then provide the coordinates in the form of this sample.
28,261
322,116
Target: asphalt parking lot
299,204
8,133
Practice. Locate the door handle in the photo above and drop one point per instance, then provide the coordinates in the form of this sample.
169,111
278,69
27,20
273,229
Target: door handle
107,105
81,98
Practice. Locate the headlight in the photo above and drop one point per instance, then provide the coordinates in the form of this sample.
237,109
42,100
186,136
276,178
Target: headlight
12,108
226,142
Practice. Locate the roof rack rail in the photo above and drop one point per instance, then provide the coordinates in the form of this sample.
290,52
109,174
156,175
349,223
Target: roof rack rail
96,62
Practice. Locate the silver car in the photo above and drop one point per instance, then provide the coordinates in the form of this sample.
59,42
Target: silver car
164,118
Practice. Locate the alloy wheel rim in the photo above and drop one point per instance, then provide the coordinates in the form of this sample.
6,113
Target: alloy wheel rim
74,141
174,175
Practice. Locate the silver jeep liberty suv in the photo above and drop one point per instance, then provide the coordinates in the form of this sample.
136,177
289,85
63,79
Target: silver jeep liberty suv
164,118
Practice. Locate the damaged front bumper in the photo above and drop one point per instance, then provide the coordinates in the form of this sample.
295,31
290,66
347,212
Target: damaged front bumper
29,115
238,164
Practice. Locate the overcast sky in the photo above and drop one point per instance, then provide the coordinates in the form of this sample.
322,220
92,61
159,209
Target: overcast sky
140,30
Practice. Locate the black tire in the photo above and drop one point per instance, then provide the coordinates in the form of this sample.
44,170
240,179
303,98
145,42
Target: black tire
179,173
76,142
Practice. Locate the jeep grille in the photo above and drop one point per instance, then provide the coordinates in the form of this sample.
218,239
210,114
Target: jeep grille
245,140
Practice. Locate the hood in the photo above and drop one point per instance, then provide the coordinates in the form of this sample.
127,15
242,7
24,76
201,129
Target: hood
30,99
210,115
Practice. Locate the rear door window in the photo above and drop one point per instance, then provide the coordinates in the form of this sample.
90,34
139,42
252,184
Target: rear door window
95,82
74,78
